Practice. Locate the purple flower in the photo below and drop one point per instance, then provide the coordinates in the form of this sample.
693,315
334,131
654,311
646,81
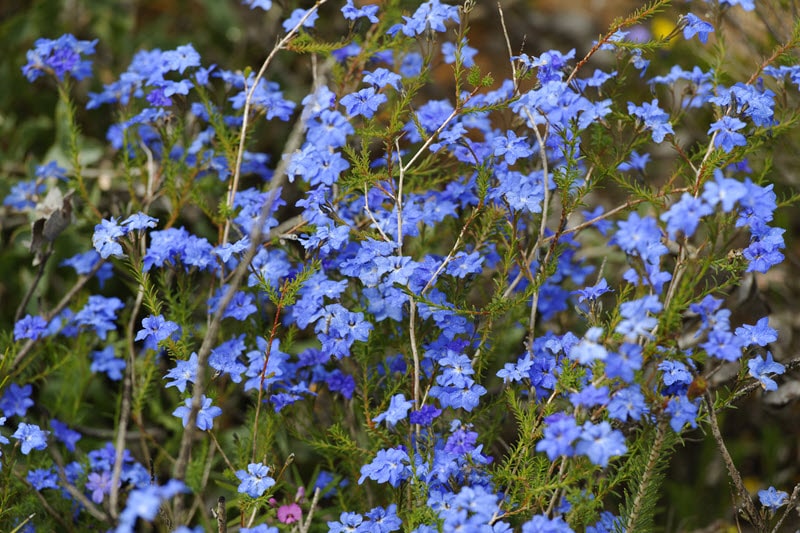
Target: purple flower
99,484
425,415
289,514
205,416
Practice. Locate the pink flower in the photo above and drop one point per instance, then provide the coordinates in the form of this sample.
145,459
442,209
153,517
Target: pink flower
289,514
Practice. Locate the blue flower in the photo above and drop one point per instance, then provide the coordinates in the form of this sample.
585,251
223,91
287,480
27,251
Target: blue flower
30,327
654,118
560,432
41,479
388,466
627,404
350,12
384,520
694,25
225,358
467,54
675,375
266,5
184,372
543,524
60,57
105,237
156,329
16,400
66,435
104,361
764,251
772,498
397,411
31,437
725,191
599,442
636,320
144,502
511,147
99,313
589,349
205,416
24,195
760,334
348,522
364,102
684,216
139,221
381,77
759,368
683,411
255,481
726,137
296,16
431,15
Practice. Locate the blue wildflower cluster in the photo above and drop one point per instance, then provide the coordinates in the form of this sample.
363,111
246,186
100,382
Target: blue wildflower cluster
404,313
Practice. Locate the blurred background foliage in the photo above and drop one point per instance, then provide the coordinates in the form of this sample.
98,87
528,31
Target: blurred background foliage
762,435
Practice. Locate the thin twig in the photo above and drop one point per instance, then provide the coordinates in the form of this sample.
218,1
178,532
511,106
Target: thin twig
63,303
747,501
35,283
307,523
237,170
